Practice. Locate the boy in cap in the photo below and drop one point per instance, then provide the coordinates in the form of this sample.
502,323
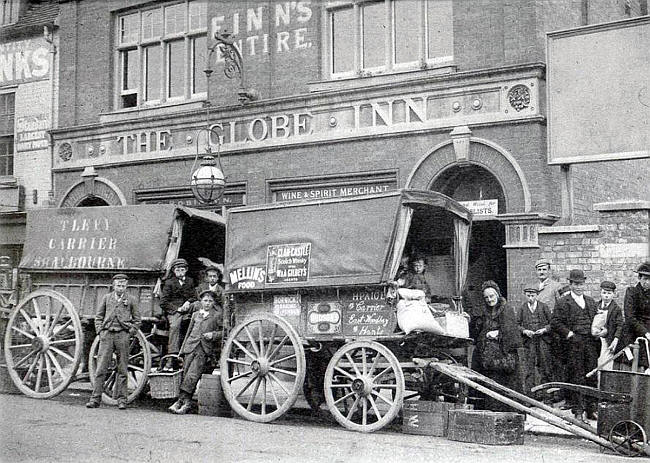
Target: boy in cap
572,320
117,317
201,347
177,294
534,322
636,306
416,279
608,323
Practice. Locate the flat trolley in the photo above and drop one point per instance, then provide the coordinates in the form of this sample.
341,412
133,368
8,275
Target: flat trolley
314,310
70,256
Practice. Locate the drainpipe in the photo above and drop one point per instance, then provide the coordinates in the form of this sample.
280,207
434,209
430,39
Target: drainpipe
48,35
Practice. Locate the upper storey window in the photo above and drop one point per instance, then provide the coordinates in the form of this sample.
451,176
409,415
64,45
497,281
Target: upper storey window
161,53
368,37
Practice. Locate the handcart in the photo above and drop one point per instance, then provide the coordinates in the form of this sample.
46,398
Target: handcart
314,311
70,256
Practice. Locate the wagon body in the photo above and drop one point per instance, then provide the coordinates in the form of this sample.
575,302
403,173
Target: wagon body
310,283
70,256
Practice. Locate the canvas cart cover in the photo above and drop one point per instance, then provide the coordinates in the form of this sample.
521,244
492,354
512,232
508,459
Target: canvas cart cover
126,238
326,243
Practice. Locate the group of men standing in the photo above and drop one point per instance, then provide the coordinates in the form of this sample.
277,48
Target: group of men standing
117,318
567,334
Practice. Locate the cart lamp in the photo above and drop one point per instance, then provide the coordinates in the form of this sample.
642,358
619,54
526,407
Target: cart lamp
208,181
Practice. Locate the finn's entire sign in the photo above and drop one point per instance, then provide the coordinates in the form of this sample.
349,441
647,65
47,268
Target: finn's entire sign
287,262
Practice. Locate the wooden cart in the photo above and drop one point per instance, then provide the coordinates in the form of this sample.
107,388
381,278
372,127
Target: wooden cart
314,311
70,256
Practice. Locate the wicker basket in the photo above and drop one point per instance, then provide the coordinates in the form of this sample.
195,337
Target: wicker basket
165,384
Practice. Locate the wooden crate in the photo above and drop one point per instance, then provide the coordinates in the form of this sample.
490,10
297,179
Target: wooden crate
210,397
427,418
485,427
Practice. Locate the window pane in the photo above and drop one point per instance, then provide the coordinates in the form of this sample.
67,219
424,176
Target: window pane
198,14
153,67
374,28
130,71
129,28
199,52
7,156
175,68
440,28
407,30
175,19
342,40
151,24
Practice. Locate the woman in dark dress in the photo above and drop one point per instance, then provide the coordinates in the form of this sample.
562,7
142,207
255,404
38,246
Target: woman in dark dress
494,327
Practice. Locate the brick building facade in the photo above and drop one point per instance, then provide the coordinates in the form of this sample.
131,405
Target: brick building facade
28,87
446,95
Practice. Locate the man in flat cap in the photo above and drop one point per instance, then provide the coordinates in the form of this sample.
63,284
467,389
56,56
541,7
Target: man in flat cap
636,306
572,320
549,289
117,317
177,294
549,293
534,322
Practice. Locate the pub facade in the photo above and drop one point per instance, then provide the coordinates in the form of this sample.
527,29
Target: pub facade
339,99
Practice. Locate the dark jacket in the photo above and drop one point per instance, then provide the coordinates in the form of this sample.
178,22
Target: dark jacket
569,316
614,323
637,310
174,295
414,280
213,323
502,318
124,310
525,320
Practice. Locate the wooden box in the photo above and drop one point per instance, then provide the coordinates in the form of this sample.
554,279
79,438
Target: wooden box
485,427
210,397
427,418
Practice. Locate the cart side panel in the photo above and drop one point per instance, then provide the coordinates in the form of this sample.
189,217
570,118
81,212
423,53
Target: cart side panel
85,291
628,382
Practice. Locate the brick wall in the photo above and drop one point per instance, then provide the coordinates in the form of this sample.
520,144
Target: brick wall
605,182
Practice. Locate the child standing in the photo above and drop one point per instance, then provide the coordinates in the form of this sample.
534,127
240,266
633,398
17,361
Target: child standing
608,323
200,348
534,321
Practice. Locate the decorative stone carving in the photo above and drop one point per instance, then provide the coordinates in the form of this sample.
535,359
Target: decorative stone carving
519,97
65,151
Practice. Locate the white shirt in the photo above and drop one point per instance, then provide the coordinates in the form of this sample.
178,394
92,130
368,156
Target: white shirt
533,307
580,300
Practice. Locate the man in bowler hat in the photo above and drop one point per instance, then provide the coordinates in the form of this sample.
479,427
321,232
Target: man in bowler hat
636,307
117,317
178,294
572,320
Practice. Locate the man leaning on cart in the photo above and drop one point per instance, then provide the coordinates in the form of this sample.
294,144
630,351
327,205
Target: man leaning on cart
117,317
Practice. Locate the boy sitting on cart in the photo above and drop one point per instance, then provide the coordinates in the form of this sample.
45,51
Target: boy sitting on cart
200,348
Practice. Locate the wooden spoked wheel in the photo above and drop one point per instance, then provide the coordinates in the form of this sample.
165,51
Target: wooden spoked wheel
628,438
43,344
139,366
364,386
262,368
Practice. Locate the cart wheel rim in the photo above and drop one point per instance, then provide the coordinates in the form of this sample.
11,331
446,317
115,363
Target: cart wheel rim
628,438
43,344
262,368
138,368
364,386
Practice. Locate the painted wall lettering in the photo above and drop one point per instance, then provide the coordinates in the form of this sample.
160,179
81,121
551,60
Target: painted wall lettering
24,61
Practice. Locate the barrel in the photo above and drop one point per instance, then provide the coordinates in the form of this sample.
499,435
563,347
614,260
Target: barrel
211,399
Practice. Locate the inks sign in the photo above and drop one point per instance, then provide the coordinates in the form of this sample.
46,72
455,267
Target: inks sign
24,61
287,262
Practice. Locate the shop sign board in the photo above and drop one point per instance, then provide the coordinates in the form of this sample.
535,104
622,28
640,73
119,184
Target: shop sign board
287,262
31,132
337,191
366,312
24,61
599,103
482,207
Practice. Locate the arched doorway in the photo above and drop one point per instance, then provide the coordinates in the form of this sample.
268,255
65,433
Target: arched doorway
92,201
487,256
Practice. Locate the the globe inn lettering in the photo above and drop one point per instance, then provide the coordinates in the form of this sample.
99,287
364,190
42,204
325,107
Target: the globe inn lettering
264,128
